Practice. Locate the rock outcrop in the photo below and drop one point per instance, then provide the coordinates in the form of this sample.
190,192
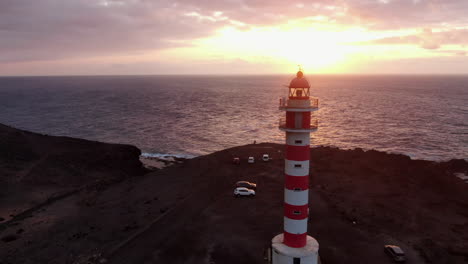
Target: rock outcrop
33,159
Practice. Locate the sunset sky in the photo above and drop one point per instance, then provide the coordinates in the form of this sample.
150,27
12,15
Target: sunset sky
100,37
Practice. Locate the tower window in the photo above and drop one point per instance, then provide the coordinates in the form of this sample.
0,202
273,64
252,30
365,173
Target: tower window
297,189
297,166
298,142
296,212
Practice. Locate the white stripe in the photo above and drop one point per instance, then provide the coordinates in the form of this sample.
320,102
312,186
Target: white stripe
291,139
298,130
291,169
295,226
296,197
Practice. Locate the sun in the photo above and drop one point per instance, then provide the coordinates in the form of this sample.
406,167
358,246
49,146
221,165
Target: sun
314,50
314,53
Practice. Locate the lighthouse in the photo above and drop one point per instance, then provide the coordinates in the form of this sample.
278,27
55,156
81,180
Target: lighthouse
294,246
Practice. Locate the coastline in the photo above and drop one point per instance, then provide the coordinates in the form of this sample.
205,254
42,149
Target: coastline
359,200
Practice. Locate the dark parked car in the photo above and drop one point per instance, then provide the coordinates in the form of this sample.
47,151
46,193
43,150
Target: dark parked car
236,160
395,252
246,184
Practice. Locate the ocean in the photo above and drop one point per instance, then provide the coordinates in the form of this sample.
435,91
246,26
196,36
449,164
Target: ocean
425,117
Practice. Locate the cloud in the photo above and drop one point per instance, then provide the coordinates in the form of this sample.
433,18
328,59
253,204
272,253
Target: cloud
401,14
52,29
457,53
432,65
63,29
372,14
427,39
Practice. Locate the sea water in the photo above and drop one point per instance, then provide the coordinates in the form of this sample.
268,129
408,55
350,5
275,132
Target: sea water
425,117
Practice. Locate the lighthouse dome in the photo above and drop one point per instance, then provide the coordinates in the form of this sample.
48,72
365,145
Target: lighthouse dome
299,81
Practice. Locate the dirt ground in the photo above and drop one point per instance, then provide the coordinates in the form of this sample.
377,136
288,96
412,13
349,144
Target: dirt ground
186,213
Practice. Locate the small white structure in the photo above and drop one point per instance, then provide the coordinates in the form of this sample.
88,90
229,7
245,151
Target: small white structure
251,160
283,254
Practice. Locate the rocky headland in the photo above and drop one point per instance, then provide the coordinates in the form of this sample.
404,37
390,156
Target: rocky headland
66,200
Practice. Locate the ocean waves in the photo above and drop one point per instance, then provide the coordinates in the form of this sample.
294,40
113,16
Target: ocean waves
189,116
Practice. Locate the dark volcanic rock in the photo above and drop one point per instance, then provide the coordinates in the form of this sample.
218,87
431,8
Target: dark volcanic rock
38,170
9,238
456,165
30,158
359,201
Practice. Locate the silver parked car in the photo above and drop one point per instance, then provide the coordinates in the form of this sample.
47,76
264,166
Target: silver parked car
242,191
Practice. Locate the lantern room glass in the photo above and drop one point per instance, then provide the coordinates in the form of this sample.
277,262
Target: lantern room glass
299,93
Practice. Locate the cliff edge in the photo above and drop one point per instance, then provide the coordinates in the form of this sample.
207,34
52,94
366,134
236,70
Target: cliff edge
186,213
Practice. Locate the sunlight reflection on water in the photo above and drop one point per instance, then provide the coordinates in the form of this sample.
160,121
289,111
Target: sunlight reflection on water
424,117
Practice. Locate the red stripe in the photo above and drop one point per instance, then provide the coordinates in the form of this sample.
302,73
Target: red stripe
293,240
291,211
306,119
290,119
299,153
293,182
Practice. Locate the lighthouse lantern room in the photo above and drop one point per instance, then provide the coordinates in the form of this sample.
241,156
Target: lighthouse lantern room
294,246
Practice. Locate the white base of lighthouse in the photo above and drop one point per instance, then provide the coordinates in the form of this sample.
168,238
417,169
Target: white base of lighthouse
282,254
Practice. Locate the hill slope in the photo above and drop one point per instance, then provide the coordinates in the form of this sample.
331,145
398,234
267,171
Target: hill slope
185,213
36,167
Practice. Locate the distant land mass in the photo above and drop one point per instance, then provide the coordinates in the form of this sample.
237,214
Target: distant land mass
68,200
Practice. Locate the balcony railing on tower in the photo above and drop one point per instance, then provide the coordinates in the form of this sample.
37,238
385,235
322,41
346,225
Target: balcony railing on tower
312,104
298,127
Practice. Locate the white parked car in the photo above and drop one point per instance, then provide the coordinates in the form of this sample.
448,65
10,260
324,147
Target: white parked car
242,191
251,160
266,157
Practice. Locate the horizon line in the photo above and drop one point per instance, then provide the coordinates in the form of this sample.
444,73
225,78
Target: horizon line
238,74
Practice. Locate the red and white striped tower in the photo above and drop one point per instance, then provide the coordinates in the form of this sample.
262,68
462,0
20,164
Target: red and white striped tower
294,246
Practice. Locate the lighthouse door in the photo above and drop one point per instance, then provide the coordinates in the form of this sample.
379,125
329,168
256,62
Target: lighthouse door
296,261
